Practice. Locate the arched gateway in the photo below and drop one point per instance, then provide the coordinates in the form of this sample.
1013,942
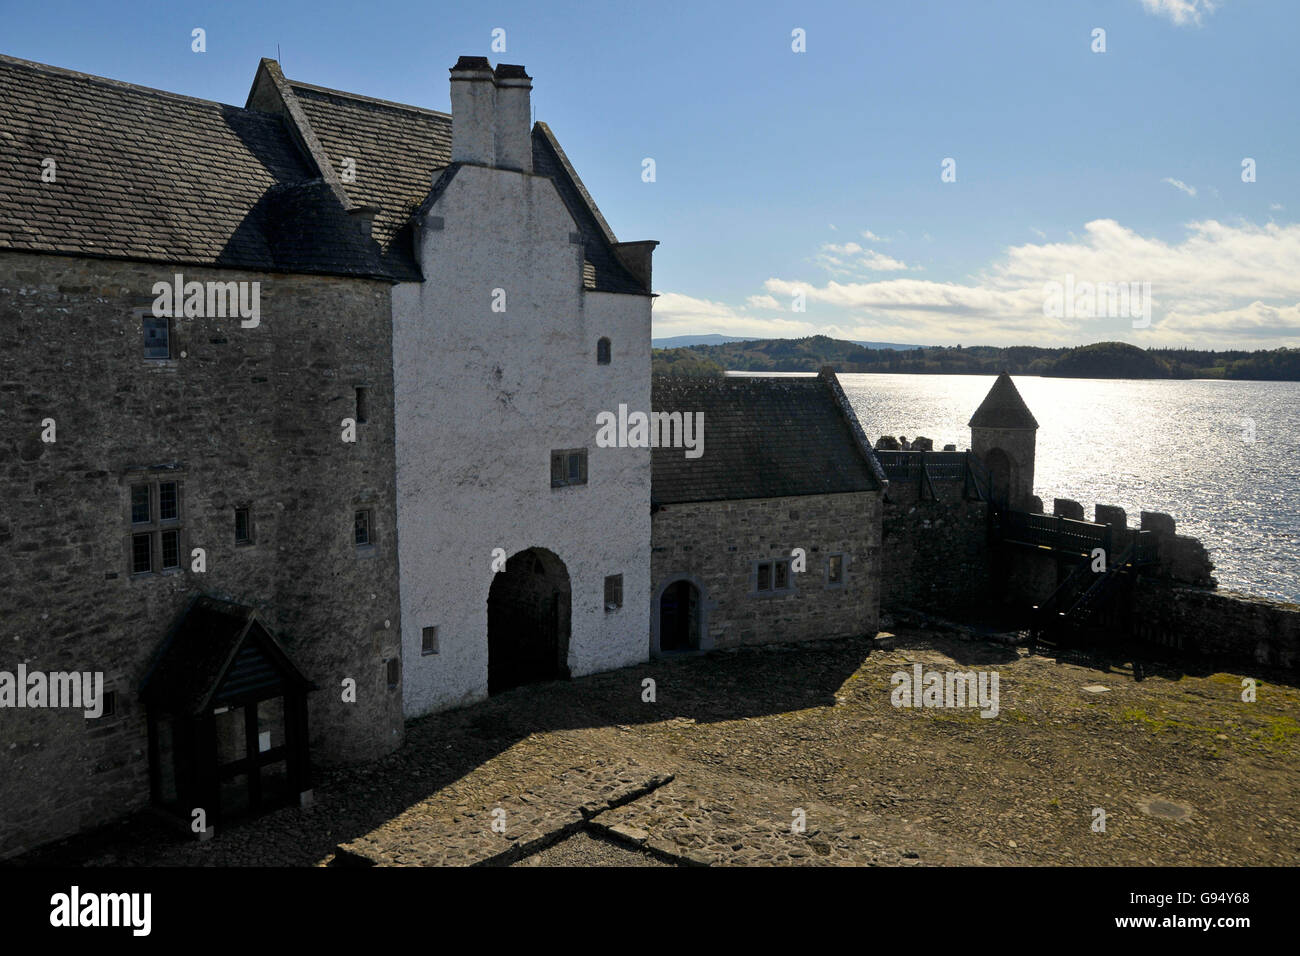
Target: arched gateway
528,621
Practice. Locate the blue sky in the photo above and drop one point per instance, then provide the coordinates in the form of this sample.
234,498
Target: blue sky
782,174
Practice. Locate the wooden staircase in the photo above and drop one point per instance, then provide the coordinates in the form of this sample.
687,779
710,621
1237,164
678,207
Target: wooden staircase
1084,601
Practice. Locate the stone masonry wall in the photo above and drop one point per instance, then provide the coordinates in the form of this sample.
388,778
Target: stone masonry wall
1219,624
934,554
248,417
717,544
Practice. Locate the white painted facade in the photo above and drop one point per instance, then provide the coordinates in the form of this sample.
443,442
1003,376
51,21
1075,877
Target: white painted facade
482,399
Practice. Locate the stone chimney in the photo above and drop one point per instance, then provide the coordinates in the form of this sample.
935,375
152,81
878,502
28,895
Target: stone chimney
491,115
514,121
473,112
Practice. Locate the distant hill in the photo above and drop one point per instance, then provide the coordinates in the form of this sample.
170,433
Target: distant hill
685,341
1101,360
1109,360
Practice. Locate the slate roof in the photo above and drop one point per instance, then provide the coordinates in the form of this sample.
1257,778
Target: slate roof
763,438
1003,407
143,174
396,149
218,653
152,176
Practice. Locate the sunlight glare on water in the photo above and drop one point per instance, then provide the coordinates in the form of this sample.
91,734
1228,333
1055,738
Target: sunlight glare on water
1171,446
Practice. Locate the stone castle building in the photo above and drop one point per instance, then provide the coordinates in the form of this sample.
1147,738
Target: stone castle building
349,479
299,408
775,530
299,434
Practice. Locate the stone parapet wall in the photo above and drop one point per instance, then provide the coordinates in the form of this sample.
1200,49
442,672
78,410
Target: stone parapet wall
1219,624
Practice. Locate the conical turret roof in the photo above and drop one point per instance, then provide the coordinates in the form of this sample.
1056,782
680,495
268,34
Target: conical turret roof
1003,407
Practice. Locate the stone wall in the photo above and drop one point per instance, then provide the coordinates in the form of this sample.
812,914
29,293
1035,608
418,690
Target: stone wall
934,554
716,545
246,416
1218,624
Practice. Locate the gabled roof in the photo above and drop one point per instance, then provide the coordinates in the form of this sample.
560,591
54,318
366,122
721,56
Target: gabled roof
148,175
219,654
151,176
763,438
1003,407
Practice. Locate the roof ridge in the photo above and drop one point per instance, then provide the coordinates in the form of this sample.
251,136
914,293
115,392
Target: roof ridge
117,84
346,94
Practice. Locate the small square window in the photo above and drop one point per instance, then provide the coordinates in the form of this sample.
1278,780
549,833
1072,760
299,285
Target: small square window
429,640
171,549
157,337
110,704
394,672
243,526
764,576
139,504
363,405
781,572
361,528
167,501
613,592
835,570
141,554
568,467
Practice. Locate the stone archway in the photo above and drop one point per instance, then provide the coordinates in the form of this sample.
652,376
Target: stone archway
528,621
998,463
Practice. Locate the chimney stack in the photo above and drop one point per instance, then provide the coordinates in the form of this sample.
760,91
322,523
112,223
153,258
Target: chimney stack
514,118
473,112
491,115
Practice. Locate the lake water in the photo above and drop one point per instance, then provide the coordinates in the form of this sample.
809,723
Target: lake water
1171,446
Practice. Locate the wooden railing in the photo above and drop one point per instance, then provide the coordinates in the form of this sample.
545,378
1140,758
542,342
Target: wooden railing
927,467
1067,535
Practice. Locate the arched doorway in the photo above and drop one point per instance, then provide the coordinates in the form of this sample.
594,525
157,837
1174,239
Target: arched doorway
528,621
679,617
999,465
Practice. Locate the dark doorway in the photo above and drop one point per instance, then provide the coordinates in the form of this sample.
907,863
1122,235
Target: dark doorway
528,621
679,617
227,716
999,466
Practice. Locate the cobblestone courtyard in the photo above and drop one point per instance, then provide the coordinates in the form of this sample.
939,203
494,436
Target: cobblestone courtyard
737,743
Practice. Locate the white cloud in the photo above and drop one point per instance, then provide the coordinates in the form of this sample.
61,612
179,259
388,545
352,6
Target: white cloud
1038,232
1219,286
849,259
1181,12
677,314
1275,206
872,237
1180,185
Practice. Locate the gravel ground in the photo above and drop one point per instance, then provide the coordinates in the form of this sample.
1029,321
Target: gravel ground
583,849
1184,770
